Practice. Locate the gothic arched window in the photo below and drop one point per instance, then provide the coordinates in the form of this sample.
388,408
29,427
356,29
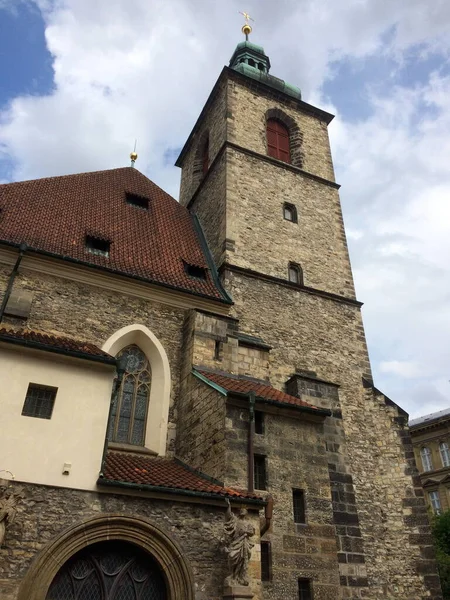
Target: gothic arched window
129,411
295,273
445,454
278,143
109,571
425,454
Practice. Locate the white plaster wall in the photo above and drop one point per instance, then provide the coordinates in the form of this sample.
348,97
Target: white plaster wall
35,450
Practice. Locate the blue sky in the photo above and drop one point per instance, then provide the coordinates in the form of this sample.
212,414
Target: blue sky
80,81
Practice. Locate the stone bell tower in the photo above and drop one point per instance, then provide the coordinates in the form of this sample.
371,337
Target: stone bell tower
257,172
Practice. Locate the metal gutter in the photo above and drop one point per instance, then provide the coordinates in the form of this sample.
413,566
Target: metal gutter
178,491
217,387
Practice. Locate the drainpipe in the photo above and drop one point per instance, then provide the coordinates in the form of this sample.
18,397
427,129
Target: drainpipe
251,438
22,249
268,514
121,365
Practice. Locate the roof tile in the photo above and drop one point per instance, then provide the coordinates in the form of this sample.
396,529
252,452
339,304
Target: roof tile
55,214
162,472
240,385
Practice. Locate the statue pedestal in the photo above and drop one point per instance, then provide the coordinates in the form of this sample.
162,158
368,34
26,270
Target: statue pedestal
237,592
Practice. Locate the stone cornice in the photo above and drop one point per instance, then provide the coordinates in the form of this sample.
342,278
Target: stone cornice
285,283
57,267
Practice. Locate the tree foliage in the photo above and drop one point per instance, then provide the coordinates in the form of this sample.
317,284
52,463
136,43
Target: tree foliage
440,527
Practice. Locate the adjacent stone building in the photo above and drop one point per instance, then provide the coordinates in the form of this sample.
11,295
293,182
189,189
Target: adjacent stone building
163,361
431,440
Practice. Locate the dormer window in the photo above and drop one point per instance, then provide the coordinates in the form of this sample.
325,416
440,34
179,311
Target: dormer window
196,271
295,273
97,246
137,201
290,212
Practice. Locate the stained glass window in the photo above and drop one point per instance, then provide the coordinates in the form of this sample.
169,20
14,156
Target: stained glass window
129,411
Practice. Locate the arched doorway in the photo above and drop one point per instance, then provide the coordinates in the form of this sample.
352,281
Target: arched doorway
109,571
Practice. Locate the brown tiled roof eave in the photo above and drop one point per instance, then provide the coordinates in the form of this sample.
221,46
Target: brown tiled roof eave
69,259
163,475
54,215
239,386
58,344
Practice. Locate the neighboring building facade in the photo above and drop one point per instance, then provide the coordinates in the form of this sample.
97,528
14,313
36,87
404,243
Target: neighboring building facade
217,344
431,440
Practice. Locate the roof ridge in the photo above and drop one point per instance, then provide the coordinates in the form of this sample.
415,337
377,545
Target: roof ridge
84,173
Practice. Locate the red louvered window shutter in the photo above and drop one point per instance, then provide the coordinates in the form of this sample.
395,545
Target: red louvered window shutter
205,156
278,141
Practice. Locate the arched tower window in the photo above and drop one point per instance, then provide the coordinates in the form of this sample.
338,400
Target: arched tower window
290,212
278,143
129,412
205,156
445,454
425,455
295,273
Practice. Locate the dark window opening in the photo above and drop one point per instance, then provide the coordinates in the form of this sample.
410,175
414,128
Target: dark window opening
260,475
259,422
304,589
251,62
195,271
260,66
278,144
205,157
290,212
39,401
218,350
137,201
266,561
298,499
295,274
97,246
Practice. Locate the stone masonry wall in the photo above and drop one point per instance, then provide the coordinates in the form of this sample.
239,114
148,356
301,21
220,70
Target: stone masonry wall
265,242
309,333
85,312
45,512
296,459
247,108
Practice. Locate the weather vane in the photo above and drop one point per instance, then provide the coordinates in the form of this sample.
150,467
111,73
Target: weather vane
246,29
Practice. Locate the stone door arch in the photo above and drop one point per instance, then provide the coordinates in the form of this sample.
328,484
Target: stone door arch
166,559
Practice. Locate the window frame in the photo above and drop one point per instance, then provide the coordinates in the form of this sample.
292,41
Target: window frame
34,387
278,139
266,571
444,454
295,268
305,594
287,206
427,459
259,422
299,506
260,470
435,501
91,240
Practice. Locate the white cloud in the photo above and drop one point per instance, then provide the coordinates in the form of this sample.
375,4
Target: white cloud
403,368
144,70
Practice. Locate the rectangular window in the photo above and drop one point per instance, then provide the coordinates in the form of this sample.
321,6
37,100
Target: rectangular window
266,561
298,498
435,502
260,476
218,350
259,422
137,201
39,401
304,589
97,246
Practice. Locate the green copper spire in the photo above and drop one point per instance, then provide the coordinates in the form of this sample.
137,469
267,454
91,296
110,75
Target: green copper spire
251,60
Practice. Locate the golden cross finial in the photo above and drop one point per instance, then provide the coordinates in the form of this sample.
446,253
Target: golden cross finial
246,29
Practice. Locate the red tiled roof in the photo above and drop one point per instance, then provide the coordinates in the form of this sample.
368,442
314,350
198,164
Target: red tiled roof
162,472
240,385
55,215
53,342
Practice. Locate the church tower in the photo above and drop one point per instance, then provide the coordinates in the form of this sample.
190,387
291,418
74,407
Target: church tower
258,174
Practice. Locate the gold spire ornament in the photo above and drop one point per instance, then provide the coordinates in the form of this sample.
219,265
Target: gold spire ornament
134,155
246,29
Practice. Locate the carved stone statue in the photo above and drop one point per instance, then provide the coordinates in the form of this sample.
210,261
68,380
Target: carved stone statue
8,503
238,546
